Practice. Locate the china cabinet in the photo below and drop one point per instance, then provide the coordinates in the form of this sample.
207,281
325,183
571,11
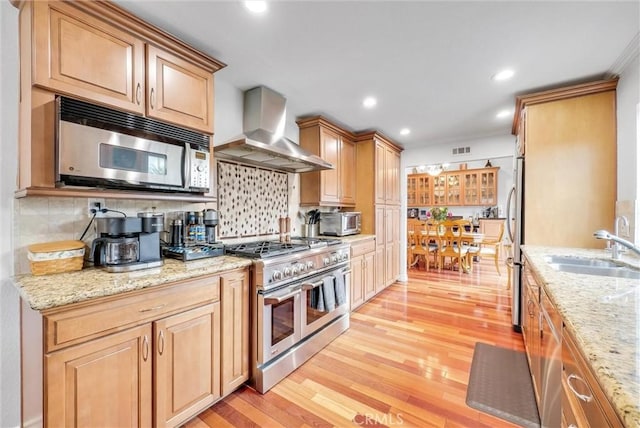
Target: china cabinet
469,187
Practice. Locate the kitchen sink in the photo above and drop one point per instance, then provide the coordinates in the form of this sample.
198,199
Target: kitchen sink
591,267
581,261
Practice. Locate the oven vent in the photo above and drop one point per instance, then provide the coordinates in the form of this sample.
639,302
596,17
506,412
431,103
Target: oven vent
83,113
461,150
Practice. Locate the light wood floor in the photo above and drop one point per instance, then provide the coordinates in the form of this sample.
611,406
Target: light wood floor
403,363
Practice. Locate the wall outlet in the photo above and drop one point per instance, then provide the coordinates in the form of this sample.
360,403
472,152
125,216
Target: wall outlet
94,205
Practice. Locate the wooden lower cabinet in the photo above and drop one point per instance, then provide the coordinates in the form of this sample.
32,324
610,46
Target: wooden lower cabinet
235,330
104,382
153,357
363,269
186,364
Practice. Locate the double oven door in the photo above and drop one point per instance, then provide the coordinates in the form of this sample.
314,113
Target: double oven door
288,315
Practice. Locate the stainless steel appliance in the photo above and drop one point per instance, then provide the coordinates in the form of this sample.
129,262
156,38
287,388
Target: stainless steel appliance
101,147
124,245
262,142
300,302
193,235
340,223
412,212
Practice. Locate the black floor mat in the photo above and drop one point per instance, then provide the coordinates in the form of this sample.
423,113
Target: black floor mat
500,384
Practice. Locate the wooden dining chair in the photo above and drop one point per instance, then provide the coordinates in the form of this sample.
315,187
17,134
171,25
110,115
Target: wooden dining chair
451,245
490,247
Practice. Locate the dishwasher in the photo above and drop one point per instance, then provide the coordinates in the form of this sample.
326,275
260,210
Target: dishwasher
550,364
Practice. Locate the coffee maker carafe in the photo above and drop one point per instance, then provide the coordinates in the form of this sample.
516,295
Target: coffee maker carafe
125,244
210,223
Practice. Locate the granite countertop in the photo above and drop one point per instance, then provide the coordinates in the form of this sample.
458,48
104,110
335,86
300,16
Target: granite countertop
50,291
603,315
350,239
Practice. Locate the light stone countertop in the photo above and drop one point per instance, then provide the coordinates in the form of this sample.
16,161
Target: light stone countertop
603,315
350,239
49,291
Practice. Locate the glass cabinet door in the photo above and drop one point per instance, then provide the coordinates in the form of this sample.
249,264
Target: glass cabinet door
454,189
439,190
488,187
424,190
471,192
412,190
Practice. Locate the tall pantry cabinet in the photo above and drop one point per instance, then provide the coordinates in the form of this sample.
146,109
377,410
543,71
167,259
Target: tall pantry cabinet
378,198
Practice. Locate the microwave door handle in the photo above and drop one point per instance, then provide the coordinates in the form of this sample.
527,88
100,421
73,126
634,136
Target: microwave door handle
186,167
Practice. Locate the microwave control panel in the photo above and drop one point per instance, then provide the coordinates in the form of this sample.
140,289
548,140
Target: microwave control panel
199,169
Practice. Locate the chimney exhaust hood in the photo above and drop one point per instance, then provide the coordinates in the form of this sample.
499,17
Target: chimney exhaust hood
262,142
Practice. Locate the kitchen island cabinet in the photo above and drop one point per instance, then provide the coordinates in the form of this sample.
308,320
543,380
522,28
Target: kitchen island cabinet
334,187
600,380
151,347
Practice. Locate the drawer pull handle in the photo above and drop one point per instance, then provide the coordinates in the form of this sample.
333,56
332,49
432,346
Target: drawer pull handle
155,308
585,398
138,93
145,347
573,426
161,342
152,97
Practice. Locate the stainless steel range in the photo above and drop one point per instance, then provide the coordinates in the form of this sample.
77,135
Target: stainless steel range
300,302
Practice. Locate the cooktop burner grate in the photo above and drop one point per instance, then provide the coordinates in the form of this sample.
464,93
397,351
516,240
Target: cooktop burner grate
264,249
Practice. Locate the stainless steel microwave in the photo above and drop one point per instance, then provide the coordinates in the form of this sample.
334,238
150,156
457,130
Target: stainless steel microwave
101,147
340,223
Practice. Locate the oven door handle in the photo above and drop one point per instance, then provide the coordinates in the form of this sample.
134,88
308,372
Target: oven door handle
268,301
311,285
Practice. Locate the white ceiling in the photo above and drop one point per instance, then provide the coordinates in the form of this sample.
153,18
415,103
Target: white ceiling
428,63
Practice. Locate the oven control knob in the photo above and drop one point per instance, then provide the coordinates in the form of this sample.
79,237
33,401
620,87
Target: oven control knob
309,265
276,275
287,272
334,258
295,270
326,261
302,267
345,256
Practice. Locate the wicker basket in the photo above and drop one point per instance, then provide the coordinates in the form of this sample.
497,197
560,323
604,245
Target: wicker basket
56,257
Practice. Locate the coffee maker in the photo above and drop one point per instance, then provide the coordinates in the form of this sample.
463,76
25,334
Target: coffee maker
127,243
210,223
193,235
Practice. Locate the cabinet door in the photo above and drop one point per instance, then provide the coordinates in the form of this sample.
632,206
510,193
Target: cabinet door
78,54
178,91
439,190
330,178
471,188
412,190
369,275
425,192
380,248
357,281
454,188
187,364
103,382
235,330
488,187
380,174
347,173
392,180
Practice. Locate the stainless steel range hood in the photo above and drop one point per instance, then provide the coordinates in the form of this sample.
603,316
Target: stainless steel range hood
262,142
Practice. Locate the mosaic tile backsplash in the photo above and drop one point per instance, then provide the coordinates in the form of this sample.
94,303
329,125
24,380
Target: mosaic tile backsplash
250,200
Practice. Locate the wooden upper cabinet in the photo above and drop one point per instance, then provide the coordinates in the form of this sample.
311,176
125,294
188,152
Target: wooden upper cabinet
454,188
77,54
179,91
387,173
333,187
472,187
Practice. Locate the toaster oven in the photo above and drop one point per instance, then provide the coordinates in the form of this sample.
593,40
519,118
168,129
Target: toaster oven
340,223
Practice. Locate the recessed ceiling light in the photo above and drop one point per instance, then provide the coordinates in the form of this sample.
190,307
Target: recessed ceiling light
504,113
405,131
369,102
503,75
256,6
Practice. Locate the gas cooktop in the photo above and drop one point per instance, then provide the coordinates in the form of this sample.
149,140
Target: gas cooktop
266,249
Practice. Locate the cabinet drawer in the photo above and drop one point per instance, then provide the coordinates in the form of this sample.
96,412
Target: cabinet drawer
68,327
363,247
586,400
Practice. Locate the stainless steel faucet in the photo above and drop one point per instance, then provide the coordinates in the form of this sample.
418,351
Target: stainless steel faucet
617,241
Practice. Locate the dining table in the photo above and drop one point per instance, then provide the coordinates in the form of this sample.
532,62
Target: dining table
468,237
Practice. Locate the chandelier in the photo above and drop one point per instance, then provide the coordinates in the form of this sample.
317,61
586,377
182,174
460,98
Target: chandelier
434,170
